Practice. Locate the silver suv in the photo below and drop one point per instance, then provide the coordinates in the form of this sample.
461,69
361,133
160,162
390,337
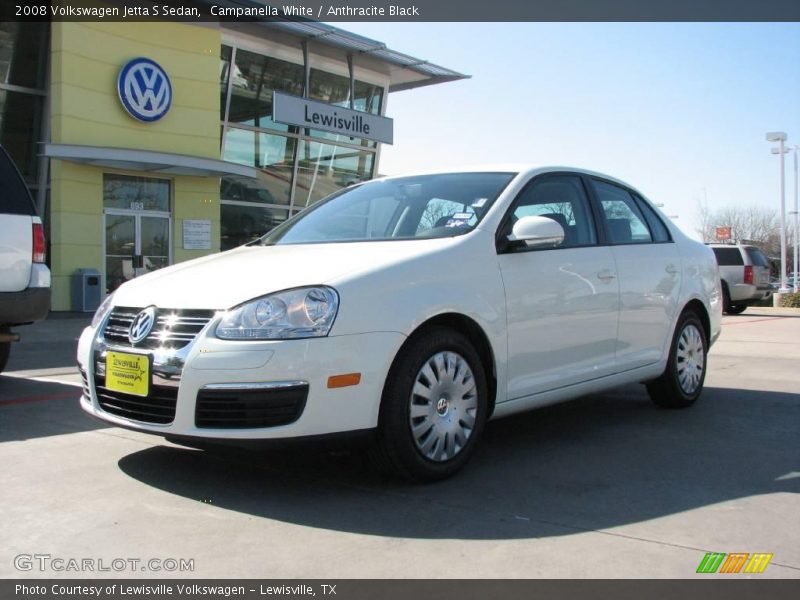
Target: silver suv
24,278
744,271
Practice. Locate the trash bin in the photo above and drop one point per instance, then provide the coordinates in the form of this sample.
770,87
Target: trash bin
86,292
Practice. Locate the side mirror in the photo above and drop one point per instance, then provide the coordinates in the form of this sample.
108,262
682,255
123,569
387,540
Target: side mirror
537,232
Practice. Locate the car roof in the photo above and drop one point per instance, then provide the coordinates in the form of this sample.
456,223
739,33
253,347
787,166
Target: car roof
521,169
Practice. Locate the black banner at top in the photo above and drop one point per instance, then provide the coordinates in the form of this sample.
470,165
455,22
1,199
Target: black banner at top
401,10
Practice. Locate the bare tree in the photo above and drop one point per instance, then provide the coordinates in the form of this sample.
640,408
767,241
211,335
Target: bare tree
758,225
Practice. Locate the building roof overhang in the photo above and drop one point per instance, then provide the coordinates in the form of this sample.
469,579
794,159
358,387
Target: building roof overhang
147,161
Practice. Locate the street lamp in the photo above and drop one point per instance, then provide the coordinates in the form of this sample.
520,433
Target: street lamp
780,136
795,149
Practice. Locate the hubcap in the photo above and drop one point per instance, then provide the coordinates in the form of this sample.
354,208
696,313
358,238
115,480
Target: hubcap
691,359
443,406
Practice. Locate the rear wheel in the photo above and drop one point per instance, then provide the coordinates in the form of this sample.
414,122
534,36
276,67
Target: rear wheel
726,298
727,307
433,408
5,349
682,381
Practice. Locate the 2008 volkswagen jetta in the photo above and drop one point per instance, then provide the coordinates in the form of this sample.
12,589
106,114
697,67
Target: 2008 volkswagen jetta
415,307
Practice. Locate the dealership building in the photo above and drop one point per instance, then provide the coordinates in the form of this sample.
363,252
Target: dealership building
149,143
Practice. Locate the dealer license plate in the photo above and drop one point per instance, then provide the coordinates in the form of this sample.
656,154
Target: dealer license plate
128,373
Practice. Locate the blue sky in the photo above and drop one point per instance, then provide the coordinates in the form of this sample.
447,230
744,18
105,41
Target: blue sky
680,111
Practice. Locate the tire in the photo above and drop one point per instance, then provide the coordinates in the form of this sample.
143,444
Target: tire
5,350
726,298
736,309
433,409
682,382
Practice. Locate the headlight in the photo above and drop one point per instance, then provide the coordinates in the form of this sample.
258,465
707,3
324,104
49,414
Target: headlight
102,311
299,313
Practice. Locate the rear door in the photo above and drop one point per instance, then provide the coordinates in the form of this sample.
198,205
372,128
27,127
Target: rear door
16,228
648,265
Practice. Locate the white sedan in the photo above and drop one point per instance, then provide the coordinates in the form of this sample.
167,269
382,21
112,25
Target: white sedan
412,308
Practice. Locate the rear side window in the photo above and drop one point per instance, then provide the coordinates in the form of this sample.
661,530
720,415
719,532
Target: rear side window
757,257
728,257
658,230
626,224
14,196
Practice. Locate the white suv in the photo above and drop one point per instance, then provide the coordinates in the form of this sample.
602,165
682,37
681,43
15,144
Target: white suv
412,308
744,271
24,278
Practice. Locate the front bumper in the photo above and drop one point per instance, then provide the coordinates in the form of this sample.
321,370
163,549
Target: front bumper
210,363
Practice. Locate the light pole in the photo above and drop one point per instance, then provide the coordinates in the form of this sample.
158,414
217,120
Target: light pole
780,136
796,149
795,283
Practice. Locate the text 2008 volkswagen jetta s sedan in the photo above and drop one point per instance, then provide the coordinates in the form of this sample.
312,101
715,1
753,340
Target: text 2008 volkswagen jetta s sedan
417,307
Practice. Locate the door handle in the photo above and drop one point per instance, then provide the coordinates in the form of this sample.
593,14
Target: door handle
606,274
672,269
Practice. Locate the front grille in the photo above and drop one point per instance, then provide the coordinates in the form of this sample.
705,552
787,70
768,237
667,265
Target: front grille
237,409
157,407
174,329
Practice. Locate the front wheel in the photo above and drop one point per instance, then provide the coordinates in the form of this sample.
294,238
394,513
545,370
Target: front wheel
434,407
682,381
736,309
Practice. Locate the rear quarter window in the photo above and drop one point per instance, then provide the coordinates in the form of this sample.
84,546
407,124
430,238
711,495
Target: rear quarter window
14,196
728,257
757,257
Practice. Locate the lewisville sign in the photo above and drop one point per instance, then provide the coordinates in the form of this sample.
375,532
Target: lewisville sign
294,110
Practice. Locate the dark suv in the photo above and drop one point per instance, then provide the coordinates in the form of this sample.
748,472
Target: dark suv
24,278
744,271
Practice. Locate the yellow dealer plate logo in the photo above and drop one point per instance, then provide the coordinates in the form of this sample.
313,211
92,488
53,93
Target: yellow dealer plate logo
128,373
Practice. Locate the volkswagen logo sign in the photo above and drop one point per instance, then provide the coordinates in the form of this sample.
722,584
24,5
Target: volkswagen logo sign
144,89
141,325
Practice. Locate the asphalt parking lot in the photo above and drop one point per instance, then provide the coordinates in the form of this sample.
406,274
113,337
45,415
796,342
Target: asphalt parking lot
605,486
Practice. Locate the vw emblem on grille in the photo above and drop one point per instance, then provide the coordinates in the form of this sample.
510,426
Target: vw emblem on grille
142,324
144,89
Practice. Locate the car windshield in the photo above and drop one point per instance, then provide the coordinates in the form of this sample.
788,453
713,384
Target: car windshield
424,206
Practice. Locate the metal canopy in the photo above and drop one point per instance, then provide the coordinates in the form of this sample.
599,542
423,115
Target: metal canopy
423,72
147,161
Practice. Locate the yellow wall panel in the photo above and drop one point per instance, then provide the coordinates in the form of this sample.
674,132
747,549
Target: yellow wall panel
85,61
85,108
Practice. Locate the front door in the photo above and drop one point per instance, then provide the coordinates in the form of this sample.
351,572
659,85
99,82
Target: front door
137,226
562,302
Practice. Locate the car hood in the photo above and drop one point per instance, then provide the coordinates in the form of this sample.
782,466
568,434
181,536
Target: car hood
221,281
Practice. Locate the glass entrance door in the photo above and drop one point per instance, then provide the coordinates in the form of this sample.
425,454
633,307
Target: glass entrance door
135,244
137,226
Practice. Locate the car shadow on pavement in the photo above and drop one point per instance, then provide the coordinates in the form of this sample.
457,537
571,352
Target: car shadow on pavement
597,462
34,409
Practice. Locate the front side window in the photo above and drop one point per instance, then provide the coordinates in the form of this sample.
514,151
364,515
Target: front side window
562,199
626,224
420,207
